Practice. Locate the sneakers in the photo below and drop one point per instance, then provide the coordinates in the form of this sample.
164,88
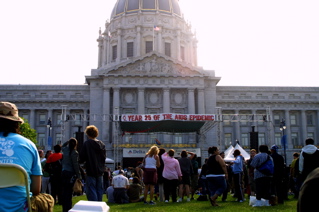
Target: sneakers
180,200
188,199
166,200
241,201
146,203
152,203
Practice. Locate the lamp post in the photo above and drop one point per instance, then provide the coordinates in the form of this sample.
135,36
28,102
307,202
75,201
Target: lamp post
49,127
283,139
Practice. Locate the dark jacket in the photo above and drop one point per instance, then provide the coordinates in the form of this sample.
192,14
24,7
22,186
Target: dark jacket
93,154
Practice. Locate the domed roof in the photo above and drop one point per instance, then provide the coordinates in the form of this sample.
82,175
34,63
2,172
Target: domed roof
134,6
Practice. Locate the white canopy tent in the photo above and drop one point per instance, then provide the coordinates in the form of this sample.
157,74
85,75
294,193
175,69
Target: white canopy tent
229,153
109,160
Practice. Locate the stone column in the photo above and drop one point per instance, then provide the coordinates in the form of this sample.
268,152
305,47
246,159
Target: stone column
32,118
100,51
166,100
191,101
159,41
288,129
104,55
119,45
303,125
106,114
141,101
138,41
201,101
178,45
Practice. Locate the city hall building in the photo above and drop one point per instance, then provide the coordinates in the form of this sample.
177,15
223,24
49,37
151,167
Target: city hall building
149,90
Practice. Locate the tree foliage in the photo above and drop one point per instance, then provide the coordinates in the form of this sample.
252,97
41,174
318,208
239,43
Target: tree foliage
28,132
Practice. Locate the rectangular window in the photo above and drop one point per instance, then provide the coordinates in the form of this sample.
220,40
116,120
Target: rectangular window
294,139
178,139
42,119
77,120
310,135
168,49
278,139
227,139
293,119
261,139
182,53
114,52
130,48
309,119
58,139
244,140
277,119
148,46
41,140
58,119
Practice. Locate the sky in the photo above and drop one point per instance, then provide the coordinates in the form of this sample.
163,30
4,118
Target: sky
246,42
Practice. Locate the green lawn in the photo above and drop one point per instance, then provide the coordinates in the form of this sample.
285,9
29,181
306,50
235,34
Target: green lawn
229,205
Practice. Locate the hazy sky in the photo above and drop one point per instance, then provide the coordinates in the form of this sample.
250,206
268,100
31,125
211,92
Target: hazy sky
246,42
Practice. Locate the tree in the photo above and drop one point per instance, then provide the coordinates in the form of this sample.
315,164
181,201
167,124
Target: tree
28,132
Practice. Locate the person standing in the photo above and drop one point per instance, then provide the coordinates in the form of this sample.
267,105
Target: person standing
172,174
216,175
71,172
186,168
54,162
252,187
194,175
279,174
238,164
160,179
45,185
18,150
263,182
308,159
93,153
151,161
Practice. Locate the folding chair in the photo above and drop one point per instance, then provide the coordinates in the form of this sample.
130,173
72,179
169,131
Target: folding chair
14,175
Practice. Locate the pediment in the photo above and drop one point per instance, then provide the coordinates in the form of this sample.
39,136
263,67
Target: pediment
152,65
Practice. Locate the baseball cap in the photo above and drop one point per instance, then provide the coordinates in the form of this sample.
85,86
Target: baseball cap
9,111
274,147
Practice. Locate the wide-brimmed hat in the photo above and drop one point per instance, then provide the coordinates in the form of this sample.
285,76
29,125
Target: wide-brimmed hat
9,111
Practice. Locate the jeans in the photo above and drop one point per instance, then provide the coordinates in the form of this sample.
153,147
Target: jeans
216,185
94,188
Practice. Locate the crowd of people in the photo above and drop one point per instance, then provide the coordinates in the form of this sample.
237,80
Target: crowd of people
160,176
177,180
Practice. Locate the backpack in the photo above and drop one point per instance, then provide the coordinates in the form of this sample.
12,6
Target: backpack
54,168
267,167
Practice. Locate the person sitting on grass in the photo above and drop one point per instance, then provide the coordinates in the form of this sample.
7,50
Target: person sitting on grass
135,190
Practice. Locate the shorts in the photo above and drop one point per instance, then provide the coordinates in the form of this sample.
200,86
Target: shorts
185,180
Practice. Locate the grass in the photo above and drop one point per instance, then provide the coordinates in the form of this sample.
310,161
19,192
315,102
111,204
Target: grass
229,205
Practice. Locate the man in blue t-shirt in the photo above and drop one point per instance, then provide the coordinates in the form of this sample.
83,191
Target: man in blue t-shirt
17,149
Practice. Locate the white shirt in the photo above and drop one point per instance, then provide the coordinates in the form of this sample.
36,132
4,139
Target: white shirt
150,162
120,181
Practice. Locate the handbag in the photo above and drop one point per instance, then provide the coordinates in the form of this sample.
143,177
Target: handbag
267,167
77,187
